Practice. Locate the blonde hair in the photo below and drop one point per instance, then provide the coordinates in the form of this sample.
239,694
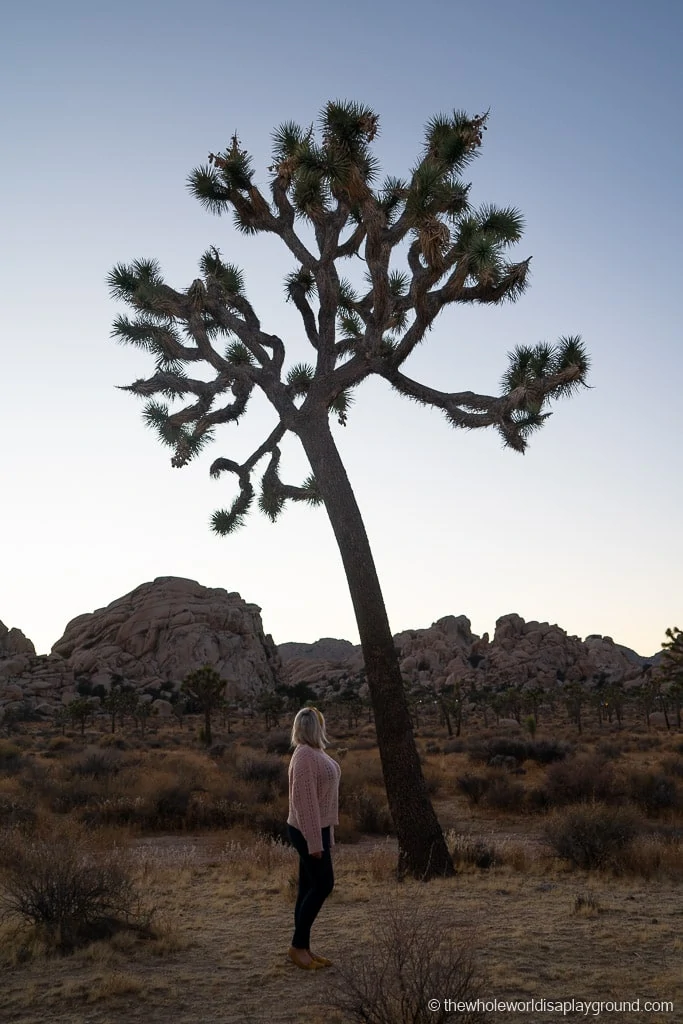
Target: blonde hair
309,729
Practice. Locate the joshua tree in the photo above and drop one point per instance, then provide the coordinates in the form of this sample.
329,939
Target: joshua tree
325,206
206,687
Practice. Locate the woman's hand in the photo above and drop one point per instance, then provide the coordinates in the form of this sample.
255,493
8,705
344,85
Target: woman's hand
318,855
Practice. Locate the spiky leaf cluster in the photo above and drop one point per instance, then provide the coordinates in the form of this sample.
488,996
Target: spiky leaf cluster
445,251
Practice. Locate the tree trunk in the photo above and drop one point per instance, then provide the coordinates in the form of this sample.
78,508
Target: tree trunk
422,848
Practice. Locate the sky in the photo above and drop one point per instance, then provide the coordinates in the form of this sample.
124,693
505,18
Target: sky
107,108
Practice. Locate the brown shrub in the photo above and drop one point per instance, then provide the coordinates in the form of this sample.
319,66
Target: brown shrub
592,837
71,892
412,955
503,794
581,780
654,792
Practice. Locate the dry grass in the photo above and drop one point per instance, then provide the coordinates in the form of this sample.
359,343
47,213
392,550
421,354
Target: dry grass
224,898
230,909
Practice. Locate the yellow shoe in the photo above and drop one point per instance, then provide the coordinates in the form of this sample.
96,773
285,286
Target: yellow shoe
322,960
295,956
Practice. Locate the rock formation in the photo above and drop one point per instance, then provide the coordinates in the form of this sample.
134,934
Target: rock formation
152,638
520,653
155,635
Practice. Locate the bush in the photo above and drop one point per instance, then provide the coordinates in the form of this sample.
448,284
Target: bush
580,780
592,837
369,813
473,786
411,956
269,770
504,795
278,742
506,746
548,751
10,757
609,750
97,764
673,766
72,893
654,792
541,751
468,851
15,812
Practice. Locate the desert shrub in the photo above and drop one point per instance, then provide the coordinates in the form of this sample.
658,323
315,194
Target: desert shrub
268,770
648,743
506,746
473,787
110,740
15,812
587,904
370,813
548,751
650,856
432,780
609,750
653,792
97,764
478,750
119,809
454,746
411,955
171,805
673,766
504,795
278,742
592,837
369,743
61,885
541,751
58,743
271,824
10,757
63,797
466,850
580,780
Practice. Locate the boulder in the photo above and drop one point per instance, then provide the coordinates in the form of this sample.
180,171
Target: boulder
13,641
163,630
163,708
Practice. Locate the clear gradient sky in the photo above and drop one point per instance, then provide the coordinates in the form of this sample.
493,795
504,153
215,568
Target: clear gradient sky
106,109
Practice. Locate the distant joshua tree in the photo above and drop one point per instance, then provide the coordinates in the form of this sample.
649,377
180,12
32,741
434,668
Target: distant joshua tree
671,669
207,688
326,207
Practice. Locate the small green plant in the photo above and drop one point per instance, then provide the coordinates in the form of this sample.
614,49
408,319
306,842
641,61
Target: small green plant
530,725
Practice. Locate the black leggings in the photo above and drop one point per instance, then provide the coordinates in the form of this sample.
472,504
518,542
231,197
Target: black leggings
316,882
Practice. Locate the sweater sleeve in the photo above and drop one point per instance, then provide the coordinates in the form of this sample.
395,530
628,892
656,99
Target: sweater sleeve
305,800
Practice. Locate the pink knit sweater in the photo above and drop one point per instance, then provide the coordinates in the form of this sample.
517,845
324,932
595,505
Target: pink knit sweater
313,794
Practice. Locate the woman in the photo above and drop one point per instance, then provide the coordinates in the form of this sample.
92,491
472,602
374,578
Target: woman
313,813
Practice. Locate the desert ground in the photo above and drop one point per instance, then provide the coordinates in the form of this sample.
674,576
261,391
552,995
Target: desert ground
198,834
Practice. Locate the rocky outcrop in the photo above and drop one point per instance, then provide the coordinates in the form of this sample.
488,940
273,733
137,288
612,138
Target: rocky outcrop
159,632
524,654
165,629
13,642
326,659
152,638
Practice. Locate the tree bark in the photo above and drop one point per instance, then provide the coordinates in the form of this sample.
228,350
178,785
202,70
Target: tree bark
422,848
